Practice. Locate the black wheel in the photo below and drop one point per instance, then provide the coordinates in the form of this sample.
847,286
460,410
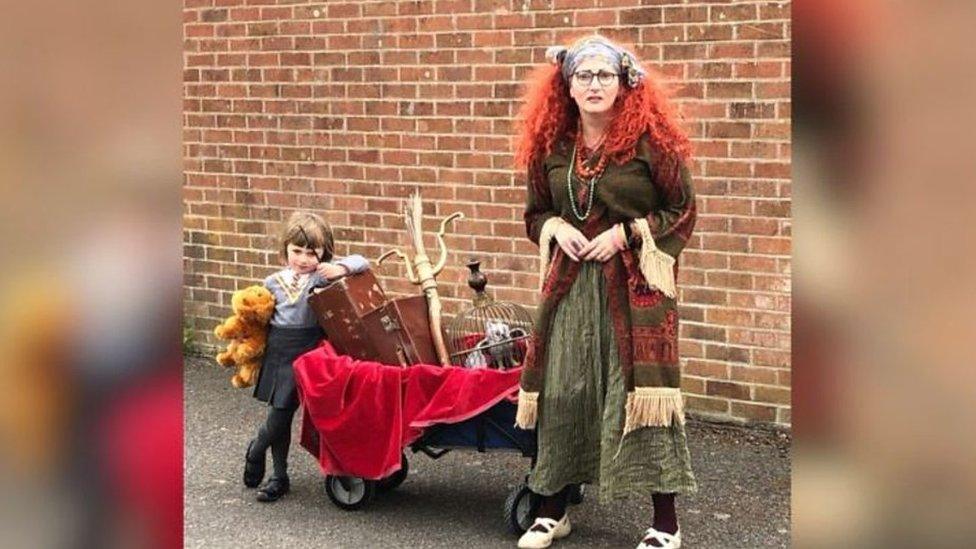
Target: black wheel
521,507
396,479
349,493
576,494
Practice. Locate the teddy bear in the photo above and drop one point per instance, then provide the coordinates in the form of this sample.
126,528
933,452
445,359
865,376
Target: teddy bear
247,331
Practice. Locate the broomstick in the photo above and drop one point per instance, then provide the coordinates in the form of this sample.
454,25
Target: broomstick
421,272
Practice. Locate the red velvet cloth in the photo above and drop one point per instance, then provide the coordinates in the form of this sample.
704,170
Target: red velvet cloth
365,413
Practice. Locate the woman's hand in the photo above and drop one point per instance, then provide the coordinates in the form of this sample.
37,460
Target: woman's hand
571,240
331,271
603,247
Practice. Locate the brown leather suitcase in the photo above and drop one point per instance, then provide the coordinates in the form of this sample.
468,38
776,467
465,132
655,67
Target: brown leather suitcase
400,332
340,308
360,322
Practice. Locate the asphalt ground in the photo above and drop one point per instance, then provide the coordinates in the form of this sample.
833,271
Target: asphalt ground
457,500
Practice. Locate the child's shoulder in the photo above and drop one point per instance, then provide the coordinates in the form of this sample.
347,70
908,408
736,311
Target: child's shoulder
272,278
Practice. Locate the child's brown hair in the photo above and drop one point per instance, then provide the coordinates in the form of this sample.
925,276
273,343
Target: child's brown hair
307,230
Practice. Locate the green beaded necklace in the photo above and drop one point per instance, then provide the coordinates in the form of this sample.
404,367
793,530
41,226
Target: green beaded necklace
569,189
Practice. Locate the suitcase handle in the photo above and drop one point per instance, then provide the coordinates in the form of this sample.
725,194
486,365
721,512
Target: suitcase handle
326,284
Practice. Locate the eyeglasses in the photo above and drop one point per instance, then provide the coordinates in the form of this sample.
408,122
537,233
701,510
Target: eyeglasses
585,78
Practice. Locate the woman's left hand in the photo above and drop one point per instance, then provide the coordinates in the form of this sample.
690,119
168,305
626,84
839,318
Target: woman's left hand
330,271
601,248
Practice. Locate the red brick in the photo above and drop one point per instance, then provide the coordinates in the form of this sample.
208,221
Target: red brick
760,31
730,280
728,168
685,14
755,226
742,12
784,377
772,358
709,369
754,412
641,16
729,317
709,32
727,353
714,405
698,331
776,283
727,390
721,51
774,246
751,375
729,130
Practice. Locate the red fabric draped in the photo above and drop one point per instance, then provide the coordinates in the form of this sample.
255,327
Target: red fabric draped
364,413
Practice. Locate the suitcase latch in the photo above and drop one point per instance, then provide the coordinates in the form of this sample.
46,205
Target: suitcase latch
389,324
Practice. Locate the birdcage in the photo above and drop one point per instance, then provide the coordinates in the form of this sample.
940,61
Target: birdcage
490,334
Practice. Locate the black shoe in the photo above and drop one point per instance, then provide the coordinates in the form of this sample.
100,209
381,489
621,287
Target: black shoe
273,489
253,469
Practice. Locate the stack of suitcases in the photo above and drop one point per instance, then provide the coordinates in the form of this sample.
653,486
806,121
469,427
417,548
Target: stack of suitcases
360,321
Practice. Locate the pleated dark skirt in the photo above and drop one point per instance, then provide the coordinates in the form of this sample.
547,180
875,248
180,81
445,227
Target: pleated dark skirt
276,381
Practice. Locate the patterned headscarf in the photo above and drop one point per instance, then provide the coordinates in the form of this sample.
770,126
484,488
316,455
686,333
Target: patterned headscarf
568,59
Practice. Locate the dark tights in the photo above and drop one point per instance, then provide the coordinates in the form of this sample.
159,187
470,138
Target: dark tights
553,506
665,514
276,434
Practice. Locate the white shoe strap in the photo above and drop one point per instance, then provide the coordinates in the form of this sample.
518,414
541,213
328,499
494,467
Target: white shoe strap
547,523
663,537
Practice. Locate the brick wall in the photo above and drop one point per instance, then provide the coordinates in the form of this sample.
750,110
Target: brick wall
346,107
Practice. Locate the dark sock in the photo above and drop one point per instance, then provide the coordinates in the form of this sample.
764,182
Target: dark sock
281,444
665,515
553,507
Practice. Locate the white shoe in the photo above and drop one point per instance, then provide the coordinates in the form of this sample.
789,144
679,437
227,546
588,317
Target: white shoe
554,529
667,541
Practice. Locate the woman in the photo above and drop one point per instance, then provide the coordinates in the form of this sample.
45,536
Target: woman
610,200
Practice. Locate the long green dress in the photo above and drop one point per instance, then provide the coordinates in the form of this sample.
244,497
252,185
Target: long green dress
581,410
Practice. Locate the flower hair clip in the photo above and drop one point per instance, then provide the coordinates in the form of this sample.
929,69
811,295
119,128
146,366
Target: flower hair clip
556,54
634,73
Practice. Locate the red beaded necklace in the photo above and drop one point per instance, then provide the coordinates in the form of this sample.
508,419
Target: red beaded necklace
582,169
587,175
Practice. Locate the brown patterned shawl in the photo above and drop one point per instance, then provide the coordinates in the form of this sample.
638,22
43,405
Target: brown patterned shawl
642,303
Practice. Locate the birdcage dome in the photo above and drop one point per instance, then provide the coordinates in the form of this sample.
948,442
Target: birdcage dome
490,334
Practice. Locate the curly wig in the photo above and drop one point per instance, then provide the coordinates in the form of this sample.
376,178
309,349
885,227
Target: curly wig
549,114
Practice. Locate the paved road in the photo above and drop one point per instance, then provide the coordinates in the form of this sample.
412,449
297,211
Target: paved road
456,501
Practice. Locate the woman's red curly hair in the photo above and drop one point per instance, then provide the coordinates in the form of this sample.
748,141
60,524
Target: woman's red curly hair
550,113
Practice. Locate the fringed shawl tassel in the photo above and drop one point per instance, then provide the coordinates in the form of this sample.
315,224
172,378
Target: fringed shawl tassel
656,266
528,410
546,235
653,407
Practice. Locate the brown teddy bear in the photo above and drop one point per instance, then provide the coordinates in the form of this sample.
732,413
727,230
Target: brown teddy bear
247,330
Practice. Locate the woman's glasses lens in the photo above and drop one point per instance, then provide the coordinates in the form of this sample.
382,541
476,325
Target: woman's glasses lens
585,78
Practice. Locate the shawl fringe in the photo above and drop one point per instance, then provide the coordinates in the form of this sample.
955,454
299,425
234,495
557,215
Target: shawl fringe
653,407
656,266
546,235
528,410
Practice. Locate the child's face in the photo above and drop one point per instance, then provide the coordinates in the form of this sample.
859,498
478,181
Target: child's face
302,260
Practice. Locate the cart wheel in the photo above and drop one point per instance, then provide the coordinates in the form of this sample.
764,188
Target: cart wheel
349,493
521,507
576,494
396,479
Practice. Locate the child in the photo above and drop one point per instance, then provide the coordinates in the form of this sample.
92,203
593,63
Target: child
306,245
